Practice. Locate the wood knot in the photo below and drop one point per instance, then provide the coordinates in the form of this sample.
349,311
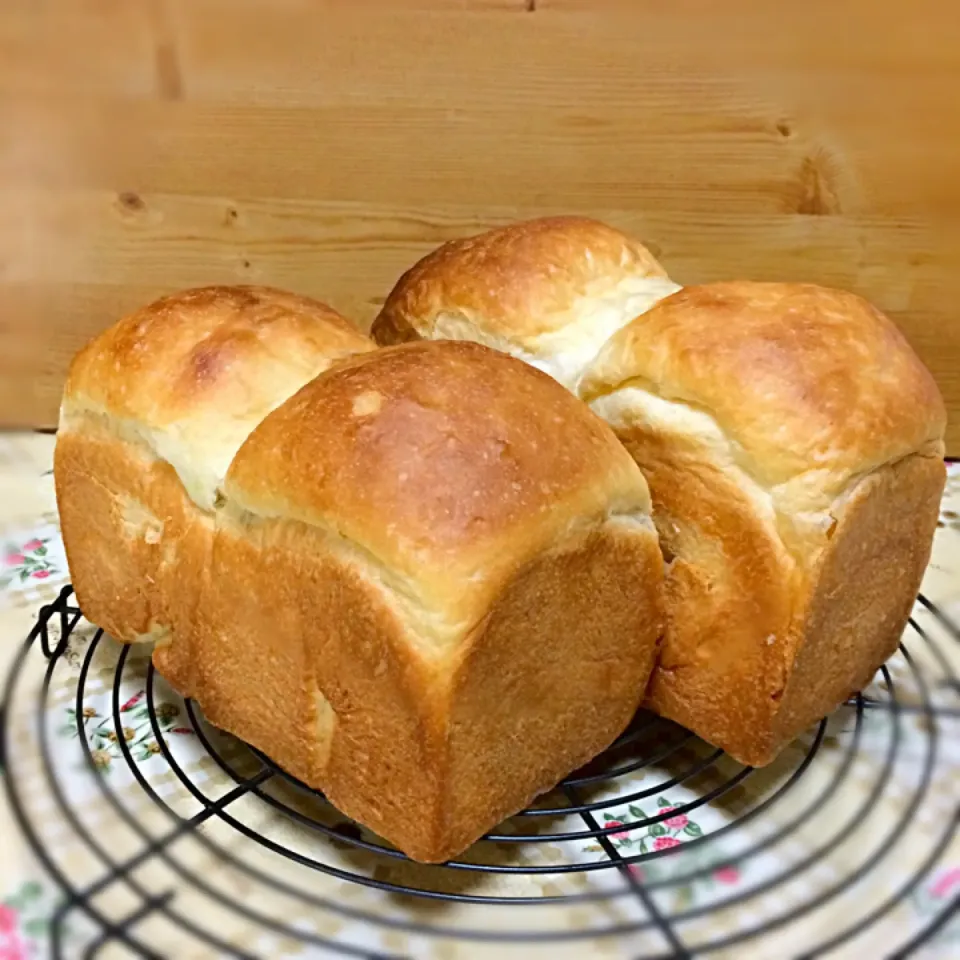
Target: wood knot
784,129
131,201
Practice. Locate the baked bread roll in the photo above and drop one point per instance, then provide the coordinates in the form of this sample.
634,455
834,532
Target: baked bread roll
793,443
153,411
436,592
549,291
791,439
427,584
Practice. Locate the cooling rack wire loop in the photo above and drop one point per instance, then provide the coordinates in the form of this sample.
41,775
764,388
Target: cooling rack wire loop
605,841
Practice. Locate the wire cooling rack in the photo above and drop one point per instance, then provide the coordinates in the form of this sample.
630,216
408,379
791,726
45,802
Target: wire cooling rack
169,838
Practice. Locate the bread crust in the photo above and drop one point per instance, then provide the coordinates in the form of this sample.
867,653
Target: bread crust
518,280
132,536
165,374
549,291
862,589
153,411
792,442
799,380
760,643
441,557
427,458
429,584
300,654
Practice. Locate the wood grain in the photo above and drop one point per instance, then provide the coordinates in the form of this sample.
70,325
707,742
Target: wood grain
147,145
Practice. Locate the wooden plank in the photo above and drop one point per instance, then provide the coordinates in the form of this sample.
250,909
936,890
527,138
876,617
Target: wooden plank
105,253
73,46
421,155
155,144
168,238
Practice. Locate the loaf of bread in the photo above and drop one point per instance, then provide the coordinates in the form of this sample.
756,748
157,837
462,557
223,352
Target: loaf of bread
427,582
791,439
793,445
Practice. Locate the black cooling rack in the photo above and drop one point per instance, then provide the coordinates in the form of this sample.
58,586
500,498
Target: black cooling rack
626,897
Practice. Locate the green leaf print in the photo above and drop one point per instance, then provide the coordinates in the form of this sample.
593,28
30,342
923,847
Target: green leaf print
691,829
658,830
36,928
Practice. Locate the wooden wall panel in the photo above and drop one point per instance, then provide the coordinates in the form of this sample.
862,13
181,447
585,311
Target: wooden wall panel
147,145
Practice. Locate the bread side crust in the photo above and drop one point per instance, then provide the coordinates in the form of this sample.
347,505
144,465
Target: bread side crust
300,654
135,542
554,676
861,589
729,596
761,642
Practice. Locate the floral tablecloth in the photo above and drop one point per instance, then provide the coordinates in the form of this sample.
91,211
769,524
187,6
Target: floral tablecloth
789,868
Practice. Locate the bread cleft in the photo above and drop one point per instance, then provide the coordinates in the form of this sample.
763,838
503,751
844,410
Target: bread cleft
425,581
791,439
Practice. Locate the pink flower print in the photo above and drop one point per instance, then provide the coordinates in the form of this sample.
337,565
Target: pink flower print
728,875
32,545
15,559
946,883
665,843
132,702
620,834
41,574
674,823
11,947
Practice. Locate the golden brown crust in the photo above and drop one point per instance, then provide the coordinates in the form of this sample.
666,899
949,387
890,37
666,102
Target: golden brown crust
110,502
763,681
429,457
861,589
192,374
728,589
797,377
516,282
792,443
205,347
584,619
432,483
153,410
